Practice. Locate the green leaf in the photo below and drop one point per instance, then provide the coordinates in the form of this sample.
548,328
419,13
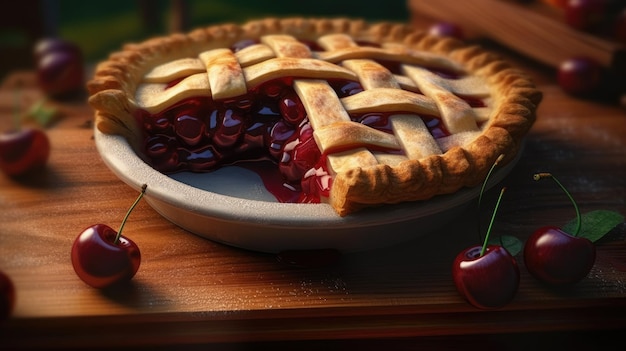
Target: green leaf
512,244
43,113
595,224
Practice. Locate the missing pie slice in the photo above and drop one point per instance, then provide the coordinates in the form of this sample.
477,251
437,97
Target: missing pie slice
349,113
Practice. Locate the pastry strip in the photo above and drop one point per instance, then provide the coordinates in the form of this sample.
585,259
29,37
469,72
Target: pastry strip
226,78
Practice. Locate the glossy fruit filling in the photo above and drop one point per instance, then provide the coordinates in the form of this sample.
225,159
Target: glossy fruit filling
267,124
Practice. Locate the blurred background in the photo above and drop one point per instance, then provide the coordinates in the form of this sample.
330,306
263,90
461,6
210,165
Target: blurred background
100,27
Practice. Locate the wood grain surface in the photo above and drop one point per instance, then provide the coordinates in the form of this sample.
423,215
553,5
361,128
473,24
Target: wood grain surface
190,291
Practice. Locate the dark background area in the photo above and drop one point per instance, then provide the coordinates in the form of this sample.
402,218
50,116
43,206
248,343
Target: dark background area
100,27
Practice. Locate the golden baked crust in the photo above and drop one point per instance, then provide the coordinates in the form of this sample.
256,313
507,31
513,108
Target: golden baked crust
513,102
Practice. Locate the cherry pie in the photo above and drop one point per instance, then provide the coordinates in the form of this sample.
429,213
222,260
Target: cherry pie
347,112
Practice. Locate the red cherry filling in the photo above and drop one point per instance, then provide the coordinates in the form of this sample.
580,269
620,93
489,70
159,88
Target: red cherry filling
269,123
299,155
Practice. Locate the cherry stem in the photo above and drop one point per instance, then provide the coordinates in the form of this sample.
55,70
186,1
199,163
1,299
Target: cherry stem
493,217
119,232
482,189
539,176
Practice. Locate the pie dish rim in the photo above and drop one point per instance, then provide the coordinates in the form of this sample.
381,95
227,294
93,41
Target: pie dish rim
273,227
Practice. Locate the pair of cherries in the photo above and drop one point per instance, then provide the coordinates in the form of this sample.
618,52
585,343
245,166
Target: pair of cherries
488,276
60,74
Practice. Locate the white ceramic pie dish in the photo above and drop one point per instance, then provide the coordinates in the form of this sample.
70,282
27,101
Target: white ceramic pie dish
231,206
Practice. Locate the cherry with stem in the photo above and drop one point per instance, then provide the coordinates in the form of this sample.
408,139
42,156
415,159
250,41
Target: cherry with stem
102,257
486,275
555,257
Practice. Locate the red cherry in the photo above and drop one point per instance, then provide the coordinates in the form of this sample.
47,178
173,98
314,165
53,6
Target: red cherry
446,29
242,44
231,129
291,108
201,159
7,296
278,135
580,76
189,128
299,156
48,45
102,257
585,14
99,261
23,151
346,88
558,258
488,281
60,67
486,276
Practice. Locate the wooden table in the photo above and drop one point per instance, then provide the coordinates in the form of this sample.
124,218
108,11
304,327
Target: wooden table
191,292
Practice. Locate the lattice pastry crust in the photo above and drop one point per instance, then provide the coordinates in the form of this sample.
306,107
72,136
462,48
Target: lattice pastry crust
368,166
